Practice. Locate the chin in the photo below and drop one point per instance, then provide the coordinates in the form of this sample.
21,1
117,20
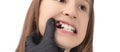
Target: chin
65,41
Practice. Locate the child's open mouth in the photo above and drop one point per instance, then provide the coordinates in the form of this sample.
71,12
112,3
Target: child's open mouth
66,27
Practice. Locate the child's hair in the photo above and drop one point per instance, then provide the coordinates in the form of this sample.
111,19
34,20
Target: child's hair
31,24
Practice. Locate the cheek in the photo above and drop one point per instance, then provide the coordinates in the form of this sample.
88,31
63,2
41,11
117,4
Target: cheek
42,24
46,11
82,29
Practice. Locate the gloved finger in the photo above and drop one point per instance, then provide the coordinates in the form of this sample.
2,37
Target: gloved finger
50,29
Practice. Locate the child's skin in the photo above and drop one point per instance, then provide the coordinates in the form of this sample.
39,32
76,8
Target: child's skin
73,12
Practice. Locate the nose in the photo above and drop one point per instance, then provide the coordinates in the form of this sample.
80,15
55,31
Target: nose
70,11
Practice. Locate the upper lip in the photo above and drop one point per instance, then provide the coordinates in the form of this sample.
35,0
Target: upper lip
67,22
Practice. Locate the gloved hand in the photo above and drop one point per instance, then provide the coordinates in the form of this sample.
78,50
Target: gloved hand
47,44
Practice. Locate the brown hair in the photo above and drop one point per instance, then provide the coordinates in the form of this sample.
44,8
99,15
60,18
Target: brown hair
31,24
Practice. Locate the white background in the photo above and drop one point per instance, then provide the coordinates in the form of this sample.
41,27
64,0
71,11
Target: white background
106,30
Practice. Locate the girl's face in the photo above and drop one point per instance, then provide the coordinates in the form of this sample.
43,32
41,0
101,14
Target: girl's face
71,17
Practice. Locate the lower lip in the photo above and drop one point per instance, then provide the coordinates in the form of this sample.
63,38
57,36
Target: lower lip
66,32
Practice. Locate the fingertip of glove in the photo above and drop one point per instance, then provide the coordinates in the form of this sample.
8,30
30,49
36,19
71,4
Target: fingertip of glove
51,24
51,21
50,27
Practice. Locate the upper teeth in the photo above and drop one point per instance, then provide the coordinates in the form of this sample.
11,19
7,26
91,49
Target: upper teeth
67,27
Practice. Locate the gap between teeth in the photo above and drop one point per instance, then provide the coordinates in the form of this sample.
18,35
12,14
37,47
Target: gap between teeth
67,27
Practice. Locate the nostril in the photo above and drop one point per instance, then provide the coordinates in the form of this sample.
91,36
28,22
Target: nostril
67,14
70,16
74,17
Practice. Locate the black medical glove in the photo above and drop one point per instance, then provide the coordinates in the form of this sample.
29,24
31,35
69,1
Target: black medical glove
47,44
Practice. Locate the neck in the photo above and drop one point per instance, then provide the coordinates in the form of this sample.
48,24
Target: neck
67,50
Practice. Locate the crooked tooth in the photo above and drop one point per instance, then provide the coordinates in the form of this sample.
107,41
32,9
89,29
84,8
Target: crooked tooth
62,25
67,27
60,22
